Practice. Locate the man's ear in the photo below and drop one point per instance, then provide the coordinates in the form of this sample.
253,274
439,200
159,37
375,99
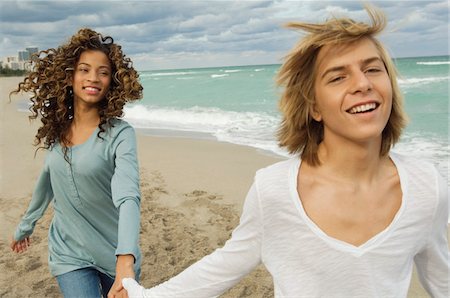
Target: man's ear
315,113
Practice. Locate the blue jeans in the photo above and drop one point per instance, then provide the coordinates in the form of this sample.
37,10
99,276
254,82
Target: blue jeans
85,282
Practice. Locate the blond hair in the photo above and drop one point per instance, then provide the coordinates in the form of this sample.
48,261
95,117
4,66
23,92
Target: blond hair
299,132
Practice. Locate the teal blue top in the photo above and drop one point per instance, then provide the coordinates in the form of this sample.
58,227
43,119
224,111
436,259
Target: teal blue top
96,201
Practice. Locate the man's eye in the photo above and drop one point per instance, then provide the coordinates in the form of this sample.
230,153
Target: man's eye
373,69
336,79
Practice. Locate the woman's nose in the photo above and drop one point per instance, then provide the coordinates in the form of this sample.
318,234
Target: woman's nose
93,76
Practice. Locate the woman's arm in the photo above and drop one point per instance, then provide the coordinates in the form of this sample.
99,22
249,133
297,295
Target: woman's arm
126,197
125,191
41,198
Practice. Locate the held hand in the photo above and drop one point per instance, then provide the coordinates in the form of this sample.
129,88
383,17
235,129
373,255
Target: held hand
134,289
21,245
124,268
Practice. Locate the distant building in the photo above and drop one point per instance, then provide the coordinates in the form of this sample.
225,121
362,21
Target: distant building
16,65
32,50
9,62
9,59
21,61
24,55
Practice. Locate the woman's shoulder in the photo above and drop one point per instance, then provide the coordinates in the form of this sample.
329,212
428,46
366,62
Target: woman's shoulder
117,126
117,130
118,123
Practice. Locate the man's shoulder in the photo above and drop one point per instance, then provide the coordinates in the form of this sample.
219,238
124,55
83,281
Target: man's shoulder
276,170
413,164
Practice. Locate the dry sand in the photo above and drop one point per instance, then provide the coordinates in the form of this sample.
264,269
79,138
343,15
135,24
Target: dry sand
192,195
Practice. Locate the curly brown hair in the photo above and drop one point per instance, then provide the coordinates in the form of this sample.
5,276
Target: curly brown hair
50,83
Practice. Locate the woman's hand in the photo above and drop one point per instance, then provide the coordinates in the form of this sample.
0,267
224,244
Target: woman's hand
124,268
21,245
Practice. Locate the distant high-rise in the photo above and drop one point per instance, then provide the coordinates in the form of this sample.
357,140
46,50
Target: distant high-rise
23,60
24,56
31,51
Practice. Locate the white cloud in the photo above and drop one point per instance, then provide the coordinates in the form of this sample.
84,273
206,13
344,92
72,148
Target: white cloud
167,34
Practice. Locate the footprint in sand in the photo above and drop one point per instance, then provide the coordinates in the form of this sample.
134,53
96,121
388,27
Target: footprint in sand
33,263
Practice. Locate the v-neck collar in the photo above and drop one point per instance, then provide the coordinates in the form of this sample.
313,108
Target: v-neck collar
340,244
92,136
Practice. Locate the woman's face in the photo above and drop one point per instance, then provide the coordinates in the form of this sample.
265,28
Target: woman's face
353,93
92,77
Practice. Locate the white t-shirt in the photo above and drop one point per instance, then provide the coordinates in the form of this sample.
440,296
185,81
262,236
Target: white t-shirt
305,262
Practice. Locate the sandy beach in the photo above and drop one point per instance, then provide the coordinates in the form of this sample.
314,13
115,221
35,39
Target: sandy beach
192,195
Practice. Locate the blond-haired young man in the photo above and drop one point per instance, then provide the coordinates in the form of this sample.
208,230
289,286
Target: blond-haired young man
347,217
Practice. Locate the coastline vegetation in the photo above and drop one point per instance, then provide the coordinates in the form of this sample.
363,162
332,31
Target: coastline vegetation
8,72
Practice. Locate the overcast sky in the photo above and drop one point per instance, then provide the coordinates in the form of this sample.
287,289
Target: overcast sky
187,34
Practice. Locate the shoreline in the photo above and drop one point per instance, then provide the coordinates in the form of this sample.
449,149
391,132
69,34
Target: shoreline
196,135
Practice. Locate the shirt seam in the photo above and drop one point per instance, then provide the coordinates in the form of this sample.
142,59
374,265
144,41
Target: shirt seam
261,216
435,209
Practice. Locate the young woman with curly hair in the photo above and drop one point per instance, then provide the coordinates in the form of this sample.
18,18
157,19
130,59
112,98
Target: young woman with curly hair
91,173
346,217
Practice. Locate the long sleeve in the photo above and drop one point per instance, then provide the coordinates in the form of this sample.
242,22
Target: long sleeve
433,261
219,271
126,193
41,198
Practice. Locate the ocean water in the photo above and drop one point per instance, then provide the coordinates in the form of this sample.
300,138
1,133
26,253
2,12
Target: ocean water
239,105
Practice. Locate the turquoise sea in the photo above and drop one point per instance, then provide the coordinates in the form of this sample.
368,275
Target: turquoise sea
239,105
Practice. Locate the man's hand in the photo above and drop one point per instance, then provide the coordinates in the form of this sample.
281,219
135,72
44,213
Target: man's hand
134,289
